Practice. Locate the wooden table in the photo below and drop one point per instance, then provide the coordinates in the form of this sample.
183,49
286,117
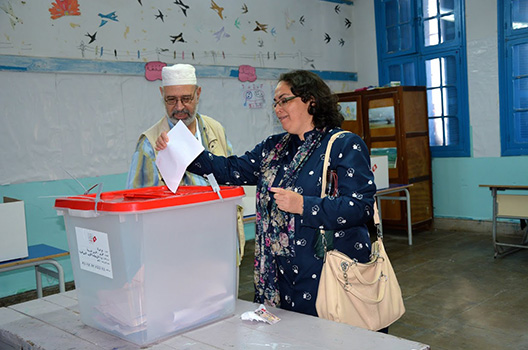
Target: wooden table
511,206
54,322
383,193
40,254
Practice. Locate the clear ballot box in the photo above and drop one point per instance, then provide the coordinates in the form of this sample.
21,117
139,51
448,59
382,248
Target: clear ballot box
148,263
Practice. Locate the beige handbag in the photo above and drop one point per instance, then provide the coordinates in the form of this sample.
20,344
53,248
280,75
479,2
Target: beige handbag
365,295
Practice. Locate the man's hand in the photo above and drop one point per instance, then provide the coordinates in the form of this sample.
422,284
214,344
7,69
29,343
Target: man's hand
287,200
161,142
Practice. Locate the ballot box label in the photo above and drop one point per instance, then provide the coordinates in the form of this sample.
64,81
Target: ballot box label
94,251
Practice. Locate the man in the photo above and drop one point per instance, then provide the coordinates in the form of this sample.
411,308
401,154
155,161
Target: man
181,96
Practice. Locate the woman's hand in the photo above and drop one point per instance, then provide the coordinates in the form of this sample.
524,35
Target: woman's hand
287,200
161,142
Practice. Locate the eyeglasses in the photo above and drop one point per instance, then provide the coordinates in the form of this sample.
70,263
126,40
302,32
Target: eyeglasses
172,100
281,102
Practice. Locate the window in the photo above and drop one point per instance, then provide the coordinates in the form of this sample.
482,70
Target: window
423,43
513,76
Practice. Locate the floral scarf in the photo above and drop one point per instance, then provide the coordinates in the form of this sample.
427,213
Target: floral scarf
275,229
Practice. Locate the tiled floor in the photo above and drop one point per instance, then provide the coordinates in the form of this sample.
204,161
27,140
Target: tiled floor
457,296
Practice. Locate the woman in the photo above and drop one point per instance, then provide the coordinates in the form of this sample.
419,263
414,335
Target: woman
287,169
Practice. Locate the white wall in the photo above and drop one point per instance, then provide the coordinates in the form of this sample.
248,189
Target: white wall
483,77
366,55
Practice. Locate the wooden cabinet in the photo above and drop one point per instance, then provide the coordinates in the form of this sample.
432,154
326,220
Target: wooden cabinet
393,121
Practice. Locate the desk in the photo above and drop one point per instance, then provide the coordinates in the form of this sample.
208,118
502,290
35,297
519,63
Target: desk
510,206
39,254
54,322
383,193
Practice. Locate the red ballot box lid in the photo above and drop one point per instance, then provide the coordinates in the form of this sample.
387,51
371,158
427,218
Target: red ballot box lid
147,198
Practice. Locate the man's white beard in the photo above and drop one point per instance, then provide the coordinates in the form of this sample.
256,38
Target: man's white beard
187,121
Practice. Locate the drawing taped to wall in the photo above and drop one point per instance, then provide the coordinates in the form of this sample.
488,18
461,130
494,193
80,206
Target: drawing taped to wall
240,31
349,110
61,8
254,96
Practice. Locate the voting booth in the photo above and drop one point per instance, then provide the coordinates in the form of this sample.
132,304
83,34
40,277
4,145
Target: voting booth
13,233
149,263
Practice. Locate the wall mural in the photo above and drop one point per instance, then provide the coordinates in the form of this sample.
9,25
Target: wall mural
274,33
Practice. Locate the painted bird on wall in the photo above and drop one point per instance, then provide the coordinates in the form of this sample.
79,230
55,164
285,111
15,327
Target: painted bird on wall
12,18
182,6
160,15
217,8
91,36
108,17
177,38
263,27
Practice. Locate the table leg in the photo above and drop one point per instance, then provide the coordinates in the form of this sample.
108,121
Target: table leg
494,221
409,224
380,227
38,278
39,270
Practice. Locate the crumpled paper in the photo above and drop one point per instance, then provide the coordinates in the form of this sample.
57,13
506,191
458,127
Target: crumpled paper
261,314
252,316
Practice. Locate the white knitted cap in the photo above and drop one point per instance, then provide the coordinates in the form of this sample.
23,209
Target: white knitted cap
178,74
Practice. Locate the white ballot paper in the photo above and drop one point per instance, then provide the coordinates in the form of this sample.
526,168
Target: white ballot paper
181,150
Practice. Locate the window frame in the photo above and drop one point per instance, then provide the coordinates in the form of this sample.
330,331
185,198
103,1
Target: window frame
410,59
456,47
382,44
507,39
462,149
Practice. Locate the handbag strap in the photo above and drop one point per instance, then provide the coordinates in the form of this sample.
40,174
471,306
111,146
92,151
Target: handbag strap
326,160
381,291
359,276
323,178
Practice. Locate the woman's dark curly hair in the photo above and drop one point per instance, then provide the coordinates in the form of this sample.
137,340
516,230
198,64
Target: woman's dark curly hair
309,86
